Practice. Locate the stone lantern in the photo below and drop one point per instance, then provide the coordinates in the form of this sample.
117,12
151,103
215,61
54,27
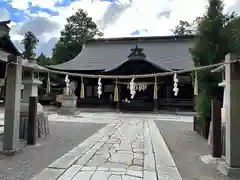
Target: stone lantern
30,84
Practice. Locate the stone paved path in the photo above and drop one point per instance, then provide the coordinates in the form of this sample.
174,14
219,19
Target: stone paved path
123,150
105,117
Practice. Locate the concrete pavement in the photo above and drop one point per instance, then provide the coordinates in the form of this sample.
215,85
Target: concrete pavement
127,148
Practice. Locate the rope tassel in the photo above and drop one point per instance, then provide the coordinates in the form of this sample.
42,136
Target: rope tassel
195,84
155,93
82,92
116,92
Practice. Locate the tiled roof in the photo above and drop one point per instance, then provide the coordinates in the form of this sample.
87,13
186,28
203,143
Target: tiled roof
169,52
7,45
5,23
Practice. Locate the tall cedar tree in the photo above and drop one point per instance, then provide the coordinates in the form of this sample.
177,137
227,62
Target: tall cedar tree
43,60
233,34
29,42
187,28
79,28
210,47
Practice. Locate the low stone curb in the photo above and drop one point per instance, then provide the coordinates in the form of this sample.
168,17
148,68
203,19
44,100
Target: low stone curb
164,163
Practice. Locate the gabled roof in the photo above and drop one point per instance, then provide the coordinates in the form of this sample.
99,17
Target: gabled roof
171,52
137,63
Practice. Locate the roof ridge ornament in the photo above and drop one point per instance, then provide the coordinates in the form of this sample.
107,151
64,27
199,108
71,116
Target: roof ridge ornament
136,52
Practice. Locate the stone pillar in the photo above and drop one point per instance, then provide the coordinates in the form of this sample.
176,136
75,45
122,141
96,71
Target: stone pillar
232,112
12,106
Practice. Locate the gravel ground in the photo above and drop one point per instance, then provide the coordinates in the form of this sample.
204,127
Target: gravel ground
64,136
186,147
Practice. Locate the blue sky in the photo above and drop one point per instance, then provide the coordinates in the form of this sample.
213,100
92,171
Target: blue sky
19,15
115,18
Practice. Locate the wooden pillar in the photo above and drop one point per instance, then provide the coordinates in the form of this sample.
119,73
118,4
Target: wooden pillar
216,129
12,106
232,113
92,90
32,124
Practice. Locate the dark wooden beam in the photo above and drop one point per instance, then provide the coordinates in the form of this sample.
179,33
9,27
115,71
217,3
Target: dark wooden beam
216,129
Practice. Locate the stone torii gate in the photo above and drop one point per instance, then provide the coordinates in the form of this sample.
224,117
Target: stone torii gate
231,166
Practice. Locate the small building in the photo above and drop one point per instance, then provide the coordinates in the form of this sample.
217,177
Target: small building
131,56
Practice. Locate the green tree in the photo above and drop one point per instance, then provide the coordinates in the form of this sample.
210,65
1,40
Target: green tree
30,42
79,28
233,35
191,28
187,28
210,47
43,60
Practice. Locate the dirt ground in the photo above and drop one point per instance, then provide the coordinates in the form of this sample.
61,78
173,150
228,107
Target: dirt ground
186,147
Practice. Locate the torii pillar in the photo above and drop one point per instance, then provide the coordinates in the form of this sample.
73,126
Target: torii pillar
231,166
12,105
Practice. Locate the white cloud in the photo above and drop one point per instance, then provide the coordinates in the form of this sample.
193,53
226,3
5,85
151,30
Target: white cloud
44,3
143,15
20,4
138,14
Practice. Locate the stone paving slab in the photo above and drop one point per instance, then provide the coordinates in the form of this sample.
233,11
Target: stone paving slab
126,149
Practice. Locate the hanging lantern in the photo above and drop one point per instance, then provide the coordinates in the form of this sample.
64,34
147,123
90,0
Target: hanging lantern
175,85
132,88
99,89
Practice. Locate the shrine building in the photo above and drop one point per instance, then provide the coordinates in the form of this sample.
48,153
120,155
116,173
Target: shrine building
131,56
